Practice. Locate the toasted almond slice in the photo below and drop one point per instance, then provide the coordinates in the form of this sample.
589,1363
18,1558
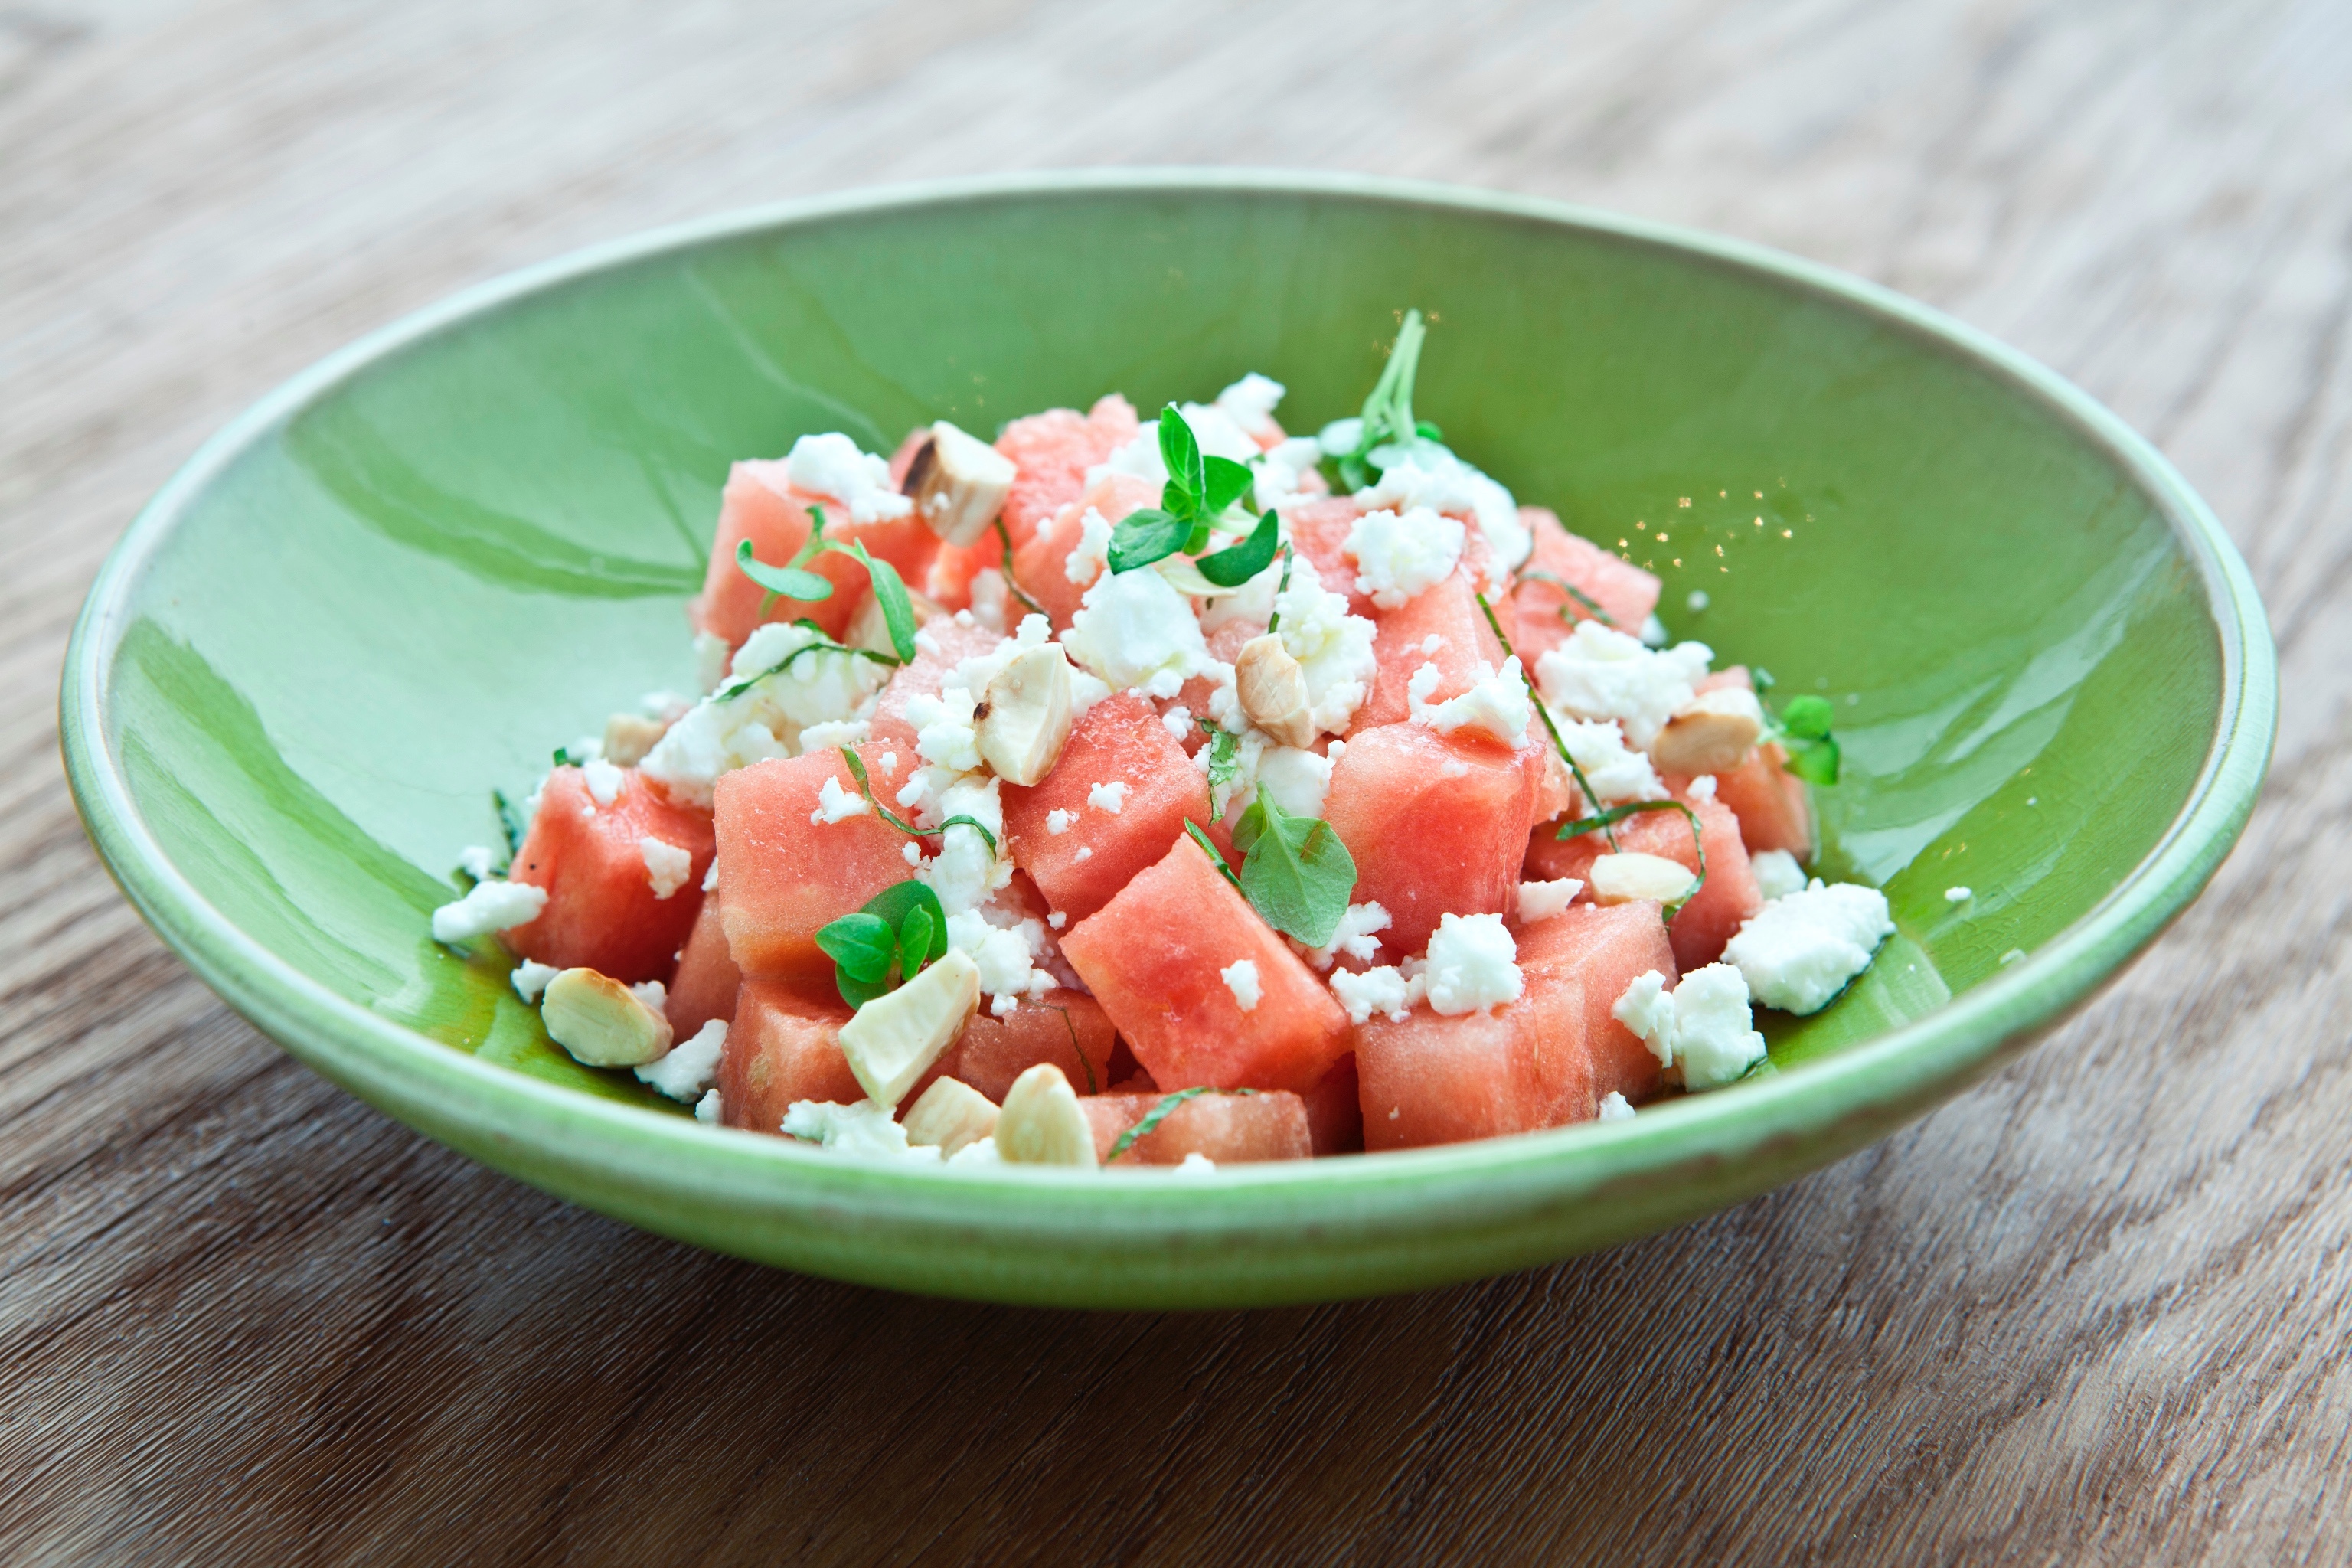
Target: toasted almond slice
868,630
1712,735
895,1038
949,1115
628,737
1023,719
1273,690
1623,879
958,483
601,1022
1041,1123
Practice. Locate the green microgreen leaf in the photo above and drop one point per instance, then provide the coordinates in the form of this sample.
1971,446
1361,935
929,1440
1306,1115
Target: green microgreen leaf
887,943
1232,567
1209,848
1150,1120
1804,729
1182,453
1224,762
1295,870
510,823
1815,762
742,683
1226,482
1617,814
915,935
783,581
856,765
1543,712
861,945
1143,537
1274,620
1808,718
890,592
1388,413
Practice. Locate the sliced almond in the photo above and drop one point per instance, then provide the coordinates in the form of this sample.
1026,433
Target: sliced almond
895,1038
1023,719
958,483
1041,1123
1626,879
869,630
949,1116
1713,734
628,737
601,1022
1273,690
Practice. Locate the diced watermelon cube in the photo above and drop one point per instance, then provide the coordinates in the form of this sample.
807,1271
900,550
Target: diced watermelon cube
1318,530
1711,918
1433,1079
707,980
1437,824
602,912
1120,740
1577,963
781,1048
1041,565
1155,956
942,644
760,505
781,877
1774,811
1626,594
1448,612
1067,1029
1335,1111
1229,1128
1051,453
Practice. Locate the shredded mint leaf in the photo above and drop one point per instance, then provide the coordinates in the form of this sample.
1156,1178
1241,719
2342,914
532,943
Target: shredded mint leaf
856,765
782,582
1617,814
1143,537
1150,1120
1232,566
1209,848
1273,621
1295,870
1086,1063
890,592
902,929
510,824
742,683
1224,762
1012,584
1591,606
1543,712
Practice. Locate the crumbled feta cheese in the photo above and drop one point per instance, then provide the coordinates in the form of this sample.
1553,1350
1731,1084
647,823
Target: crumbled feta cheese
1654,633
990,600
653,993
834,734
1091,553
1432,643
491,906
1250,402
1057,821
1214,430
708,1110
981,1152
1384,989
1241,978
834,804
667,865
763,710
1615,1107
1601,674
1135,632
1057,919
1086,852
1428,475
710,877
866,1128
1801,949
945,731
1777,873
1003,946
1702,1025
1497,702
1340,436
1702,787
911,852
1471,964
1110,797
602,779
1334,650
831,465
965,871
685,1070
1282,472
1616,772
1178,723
711,653
1297,780
1541,901
1400,556
477,862
531,977
1959,895
1646,1008
1358,936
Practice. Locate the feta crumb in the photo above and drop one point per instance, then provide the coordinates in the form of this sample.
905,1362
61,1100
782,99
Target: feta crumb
946,730
1702,1025
1430,644
1398,557
710,877
981,1152
1597,673
1283,470
711,653
1702,787
866,1128
1497,702
653,993
708,1110
1002,1005
1698,600
1177,722
1385,989
1615,1107
763,710
604,780
1057,919
685,1071
833,734
1334,650
834,804
1541,901
491,906
1057,821
1427,475
1297,780
1471,964
531,978
1653,632
1086,852
1358,936
667,865
889,761
1777,873
911,852
1800,949
1091,553
1959,895
1250,402
1135,632
1110,797
832,465
476,861
1616,772
1194,1163
1241,979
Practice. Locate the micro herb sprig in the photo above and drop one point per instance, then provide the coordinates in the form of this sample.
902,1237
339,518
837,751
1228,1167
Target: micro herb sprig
794,582
1012,584
1543,712
1209,848
1197,493
511,825
1295,870
1616,813
1803,728
1224,762
865,787
1388,413
1591,606
1274,620
742,683
1085,1061
1150,1121
887,943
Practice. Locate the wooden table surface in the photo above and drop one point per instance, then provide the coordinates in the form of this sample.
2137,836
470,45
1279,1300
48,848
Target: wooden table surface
2096,1309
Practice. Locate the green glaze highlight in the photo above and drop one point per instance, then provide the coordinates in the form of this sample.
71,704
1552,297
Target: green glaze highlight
403,577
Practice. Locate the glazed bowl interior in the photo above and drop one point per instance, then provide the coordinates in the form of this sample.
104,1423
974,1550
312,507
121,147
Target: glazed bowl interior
403,578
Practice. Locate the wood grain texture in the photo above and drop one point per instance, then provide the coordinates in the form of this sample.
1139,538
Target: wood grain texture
2096,1310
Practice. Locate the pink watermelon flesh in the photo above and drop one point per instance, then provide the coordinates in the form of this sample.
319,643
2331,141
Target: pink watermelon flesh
1318,532
601,912
707,979
1771,802
781,1048
1335,1113
1229,1128
1449,612
1154,957
781,877
1119,740
1578,963
1626,594
1437,825
1041,565
1432,1079
1051,452
1709,920
759,505
1067,1029
943,643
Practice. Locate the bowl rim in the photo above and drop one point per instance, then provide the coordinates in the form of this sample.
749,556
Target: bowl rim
490,1105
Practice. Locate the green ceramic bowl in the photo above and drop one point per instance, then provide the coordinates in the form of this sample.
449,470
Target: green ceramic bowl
408,573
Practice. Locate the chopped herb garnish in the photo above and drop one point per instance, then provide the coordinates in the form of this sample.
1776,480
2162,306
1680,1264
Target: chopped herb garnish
1012,584
742,683
1197,493
1151,1118
1543,712
510,824
1803,728
901,930
1274,620
1209,848
1224,762
865,787
1084,1062
1295,870
1591,606
1232,567
1617,814
793,582
1388,413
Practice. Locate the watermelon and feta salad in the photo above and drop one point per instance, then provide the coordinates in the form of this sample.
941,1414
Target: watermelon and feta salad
1175,792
